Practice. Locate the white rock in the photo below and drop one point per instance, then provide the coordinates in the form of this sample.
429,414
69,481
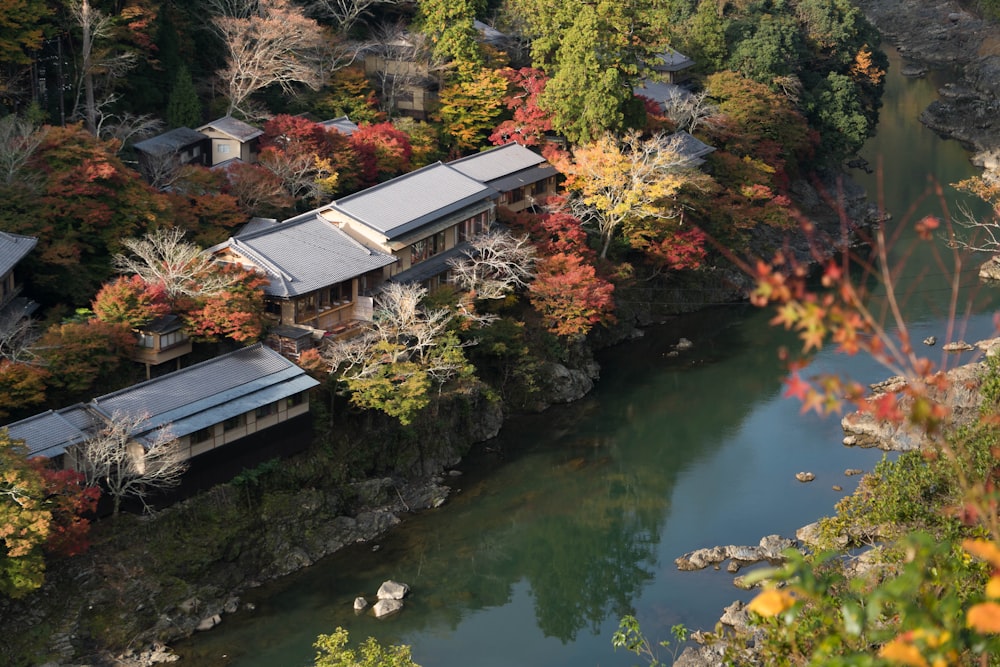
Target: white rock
209,622
392,590
384,608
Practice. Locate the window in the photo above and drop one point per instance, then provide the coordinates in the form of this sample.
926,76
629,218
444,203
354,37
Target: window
473,227
295,399
265,410
233,422
222,148
201,435
272,307
426,248
305,308
146,340
172,338
196,151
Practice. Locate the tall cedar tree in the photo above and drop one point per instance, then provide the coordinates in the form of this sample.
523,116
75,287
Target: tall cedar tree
183,105
449,25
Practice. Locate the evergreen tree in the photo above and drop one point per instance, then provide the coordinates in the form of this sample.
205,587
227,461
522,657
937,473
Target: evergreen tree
586,95
183,107
449,25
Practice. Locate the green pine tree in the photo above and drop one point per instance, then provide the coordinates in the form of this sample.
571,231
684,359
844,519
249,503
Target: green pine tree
183,107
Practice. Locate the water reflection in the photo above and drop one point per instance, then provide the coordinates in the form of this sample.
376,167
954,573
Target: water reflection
575,516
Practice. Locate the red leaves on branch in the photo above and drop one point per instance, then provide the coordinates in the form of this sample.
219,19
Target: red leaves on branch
570,296
530,123
382,151
70,502
235,312
129,300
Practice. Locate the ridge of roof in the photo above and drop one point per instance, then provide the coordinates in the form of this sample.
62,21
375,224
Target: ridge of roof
368,208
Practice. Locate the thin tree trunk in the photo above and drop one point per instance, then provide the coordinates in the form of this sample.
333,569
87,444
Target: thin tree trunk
90,107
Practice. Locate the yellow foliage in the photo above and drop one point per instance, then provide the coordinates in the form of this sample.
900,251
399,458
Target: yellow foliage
772,602
864,67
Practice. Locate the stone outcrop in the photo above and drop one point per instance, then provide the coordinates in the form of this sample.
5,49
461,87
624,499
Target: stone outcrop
384,608
561,384
961,395
770,549
942,33
990,269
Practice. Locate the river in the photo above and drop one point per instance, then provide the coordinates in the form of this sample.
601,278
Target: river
575,516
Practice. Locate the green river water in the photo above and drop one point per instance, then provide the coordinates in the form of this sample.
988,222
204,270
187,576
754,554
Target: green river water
576,515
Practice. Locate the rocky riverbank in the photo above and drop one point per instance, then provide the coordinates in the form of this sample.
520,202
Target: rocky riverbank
936,34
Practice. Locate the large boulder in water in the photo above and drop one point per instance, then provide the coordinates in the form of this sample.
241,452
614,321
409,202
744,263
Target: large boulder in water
385,608
392,590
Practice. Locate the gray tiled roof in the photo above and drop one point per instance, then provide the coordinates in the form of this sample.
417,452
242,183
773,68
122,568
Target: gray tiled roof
343,124
185,401
233,127
170,142
255,225
689,146
661,92
204,387
413,200
497,162
51,432
672,60
304,254
13,248
489,34
524,177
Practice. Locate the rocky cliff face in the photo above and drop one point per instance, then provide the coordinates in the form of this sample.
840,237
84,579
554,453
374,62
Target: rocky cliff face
943,33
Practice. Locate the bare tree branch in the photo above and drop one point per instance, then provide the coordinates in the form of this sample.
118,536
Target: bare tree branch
17,335
345,13
497,264
163,257
402,330
269,42
19,140
128,467
401,62
96,26
687,112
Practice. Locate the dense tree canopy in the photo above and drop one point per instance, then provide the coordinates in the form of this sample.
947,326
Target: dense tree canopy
40,512
77,197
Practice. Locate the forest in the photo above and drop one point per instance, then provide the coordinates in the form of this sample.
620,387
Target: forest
780,90
783,91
